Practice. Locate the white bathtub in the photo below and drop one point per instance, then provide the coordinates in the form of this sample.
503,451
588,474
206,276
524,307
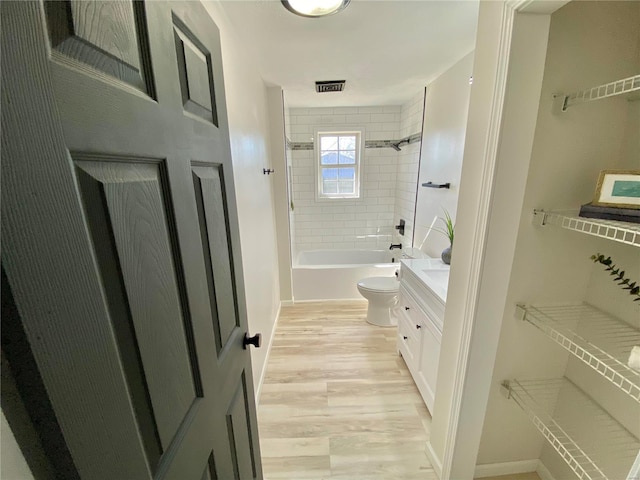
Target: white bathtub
334,274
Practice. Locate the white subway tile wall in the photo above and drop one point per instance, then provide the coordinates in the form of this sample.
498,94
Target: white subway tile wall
367,222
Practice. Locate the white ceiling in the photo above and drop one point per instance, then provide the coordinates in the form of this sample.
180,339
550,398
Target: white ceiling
386,50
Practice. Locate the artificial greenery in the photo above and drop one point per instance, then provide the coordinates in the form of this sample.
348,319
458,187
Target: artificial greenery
624,282
449,226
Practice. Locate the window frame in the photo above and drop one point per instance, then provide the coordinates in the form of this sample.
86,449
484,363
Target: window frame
345,131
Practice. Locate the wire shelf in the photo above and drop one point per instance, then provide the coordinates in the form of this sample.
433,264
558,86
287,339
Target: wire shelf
623,232
601,341
598,449
619,87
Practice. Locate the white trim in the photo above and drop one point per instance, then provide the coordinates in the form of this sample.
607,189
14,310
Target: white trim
330,300
266,357
339,130
436,463
545,7
458,454
506,468
543,472
286,303
480,234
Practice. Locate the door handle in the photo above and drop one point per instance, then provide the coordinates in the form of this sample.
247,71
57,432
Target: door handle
256,340
418,327
406,308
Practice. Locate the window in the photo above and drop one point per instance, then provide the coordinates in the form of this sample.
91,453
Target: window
339,164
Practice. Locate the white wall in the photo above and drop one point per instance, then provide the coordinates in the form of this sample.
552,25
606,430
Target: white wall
364,223
246,96
445,124
13,466
408,165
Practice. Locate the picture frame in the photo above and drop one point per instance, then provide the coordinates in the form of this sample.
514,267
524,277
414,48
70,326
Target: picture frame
618,189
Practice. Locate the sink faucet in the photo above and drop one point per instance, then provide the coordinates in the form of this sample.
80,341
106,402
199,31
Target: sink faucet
395,245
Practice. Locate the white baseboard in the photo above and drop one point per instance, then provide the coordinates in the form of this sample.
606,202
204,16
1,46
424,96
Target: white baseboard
286,303
436,463
266,358
330,300
543,472
506,468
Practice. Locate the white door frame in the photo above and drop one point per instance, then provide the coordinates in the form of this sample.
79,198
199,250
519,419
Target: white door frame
507,75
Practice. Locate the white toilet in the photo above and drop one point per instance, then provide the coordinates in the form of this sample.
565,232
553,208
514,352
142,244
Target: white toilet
382,294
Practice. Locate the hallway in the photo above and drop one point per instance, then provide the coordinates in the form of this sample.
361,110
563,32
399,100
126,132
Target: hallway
338,402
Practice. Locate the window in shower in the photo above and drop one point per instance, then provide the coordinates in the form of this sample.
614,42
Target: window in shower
338,164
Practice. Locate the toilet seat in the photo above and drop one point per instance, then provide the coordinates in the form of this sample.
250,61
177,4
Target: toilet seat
380,284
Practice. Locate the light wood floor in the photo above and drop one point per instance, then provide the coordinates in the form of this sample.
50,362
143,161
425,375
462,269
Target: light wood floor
518,476
339,403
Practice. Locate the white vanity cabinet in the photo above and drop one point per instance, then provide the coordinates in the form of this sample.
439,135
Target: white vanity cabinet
420,311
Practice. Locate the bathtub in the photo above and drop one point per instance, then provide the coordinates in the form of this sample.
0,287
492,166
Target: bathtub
334,274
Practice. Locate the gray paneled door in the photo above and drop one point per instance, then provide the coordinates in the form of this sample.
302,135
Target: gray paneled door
120,236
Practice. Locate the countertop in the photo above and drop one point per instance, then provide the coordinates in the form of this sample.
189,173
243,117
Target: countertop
432,272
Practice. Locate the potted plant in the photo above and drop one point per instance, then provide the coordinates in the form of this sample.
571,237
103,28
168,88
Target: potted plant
447,231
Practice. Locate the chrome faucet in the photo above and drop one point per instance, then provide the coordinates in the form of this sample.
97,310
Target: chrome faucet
395,245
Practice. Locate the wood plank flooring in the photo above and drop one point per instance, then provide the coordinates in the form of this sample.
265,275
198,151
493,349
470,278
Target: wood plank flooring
338,402
517,476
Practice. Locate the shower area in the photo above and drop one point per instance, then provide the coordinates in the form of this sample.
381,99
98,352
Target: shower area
352,175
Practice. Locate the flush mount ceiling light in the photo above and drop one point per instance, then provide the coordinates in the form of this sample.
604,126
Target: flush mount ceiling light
315,8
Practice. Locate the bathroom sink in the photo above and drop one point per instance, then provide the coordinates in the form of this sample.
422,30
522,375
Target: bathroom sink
433,273
438,276
437,280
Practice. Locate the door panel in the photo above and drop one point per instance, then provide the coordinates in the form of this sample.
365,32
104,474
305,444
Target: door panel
210,469
101,230
212,211
196,73
124,254
108,36
238,428
135,208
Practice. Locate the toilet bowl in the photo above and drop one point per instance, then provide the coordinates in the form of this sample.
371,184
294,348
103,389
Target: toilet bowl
382,294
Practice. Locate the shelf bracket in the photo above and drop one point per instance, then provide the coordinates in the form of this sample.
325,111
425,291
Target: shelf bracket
521,312
560,103
539,217
505,389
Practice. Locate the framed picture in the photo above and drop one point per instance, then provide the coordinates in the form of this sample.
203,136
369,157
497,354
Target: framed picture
618,188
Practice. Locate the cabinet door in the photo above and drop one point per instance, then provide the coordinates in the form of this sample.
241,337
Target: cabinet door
428,362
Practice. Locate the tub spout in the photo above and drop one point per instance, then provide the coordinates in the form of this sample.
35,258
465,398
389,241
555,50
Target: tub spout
395,245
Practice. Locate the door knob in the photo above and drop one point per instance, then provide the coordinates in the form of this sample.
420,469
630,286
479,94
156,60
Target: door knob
418,327
256,340
406,308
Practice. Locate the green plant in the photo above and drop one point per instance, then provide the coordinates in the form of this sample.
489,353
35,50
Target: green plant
619,275
449,226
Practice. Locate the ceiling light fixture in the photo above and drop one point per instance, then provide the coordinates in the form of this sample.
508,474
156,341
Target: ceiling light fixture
315,8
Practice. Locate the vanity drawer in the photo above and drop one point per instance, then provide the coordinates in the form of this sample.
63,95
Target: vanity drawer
408,342
409,307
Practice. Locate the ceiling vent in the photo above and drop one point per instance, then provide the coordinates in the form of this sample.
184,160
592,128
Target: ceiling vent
330,86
